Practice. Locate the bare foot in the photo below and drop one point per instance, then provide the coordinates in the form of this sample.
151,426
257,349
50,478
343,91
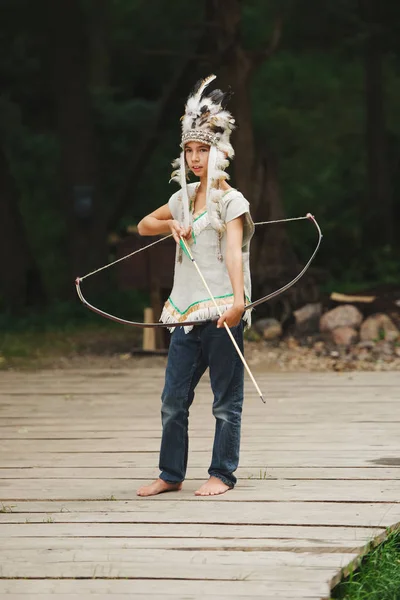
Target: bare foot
212,487
158,486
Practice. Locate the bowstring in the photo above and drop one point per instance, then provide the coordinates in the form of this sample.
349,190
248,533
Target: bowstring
281,220
168,236
125,257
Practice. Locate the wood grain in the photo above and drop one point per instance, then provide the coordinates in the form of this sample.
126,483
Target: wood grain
319,479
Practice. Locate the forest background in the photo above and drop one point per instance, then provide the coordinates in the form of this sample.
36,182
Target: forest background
90,100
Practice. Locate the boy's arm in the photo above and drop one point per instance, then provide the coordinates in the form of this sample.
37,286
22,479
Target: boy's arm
161,221
234,264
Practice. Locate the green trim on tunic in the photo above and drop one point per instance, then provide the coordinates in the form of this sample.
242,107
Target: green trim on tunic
201,301
199,217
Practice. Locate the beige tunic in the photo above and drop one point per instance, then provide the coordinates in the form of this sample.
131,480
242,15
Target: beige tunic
189,299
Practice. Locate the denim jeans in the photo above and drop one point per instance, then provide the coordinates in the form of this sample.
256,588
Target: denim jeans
189,356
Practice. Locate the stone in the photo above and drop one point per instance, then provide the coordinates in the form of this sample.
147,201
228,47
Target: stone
307,318
341,316
366,344
269,329
379,327
364,355
319,348
383,348
251,335
344,336
292,343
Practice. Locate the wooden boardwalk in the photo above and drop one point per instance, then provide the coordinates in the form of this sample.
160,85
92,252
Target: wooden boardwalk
319,479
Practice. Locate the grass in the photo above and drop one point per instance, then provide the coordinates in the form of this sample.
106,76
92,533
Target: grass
378,577
35,338
49,520
35,348
261,475
6,509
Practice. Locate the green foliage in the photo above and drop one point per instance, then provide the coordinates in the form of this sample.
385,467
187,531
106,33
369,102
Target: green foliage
120,125
318,138
378,577
308,104
69,329
64,316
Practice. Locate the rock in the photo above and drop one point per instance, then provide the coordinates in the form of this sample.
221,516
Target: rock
364,355
379,327
251,335
272,331
307,318
292,343
344,336
366,344
319,348
269,329
341,316
383,348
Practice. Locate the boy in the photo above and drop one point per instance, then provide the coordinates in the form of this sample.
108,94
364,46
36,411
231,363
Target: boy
214,218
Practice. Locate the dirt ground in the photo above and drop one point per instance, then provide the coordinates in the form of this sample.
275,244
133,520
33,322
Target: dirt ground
262,356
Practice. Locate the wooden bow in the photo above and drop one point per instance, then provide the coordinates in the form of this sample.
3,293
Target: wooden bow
250,306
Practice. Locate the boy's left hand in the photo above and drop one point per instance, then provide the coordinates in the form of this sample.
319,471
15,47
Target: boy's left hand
232,316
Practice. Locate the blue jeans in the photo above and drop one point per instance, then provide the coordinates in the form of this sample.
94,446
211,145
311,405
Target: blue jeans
189,356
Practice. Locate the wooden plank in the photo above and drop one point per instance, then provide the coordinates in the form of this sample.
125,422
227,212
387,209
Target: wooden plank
248,447
84,428
245,544
302,534
263,490
195,595
154,588
255,461
174,564
206,510
87,428
260,423
197,473
315,485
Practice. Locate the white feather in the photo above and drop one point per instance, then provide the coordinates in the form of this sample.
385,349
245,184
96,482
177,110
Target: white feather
206,81
185,198
175,176
215,195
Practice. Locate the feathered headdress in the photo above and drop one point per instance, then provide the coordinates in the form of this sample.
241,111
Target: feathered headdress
206,120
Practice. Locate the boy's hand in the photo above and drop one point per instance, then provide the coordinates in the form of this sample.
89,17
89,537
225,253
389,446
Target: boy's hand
232,316
178,231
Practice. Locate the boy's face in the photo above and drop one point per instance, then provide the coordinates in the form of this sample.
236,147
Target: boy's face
196,154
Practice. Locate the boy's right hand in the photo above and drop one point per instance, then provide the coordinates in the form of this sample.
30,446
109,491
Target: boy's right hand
178,231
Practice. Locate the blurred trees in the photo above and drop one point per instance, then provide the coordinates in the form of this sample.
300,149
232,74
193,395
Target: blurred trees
91,96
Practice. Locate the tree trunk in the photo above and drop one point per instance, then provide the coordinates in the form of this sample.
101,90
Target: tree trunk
98,44
236,72
273,261
80,190
21,284
380,204
256,173
272,245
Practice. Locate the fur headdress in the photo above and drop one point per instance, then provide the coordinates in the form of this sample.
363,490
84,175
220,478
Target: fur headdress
206,120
